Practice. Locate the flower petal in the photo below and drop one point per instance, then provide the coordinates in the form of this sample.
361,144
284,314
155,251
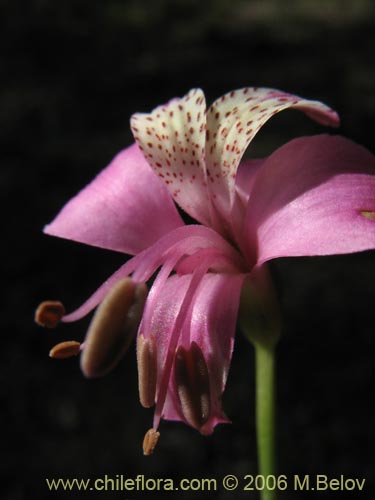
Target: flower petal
172,139
210,324
313,196
245,178
125,208
232,122
183,241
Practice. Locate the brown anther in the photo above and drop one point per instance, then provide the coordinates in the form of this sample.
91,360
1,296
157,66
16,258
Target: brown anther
369,214
193,385
147,370
65,350
113,327
49,313
150,441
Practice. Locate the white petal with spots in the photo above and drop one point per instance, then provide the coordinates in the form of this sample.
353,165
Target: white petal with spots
232,122
172,139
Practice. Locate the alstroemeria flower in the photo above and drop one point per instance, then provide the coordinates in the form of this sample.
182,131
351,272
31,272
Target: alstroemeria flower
313,196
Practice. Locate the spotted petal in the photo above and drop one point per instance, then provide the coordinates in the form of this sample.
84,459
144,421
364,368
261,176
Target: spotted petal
172,139
232,122
313,196
125,208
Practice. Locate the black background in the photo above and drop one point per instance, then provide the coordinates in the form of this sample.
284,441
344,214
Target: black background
72,73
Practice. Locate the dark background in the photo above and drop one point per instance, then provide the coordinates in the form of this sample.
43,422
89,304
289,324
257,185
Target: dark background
72,73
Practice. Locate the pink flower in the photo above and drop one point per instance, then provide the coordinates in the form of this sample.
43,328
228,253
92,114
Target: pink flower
313,196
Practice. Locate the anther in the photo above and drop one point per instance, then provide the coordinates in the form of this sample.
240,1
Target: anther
150,441
113,327
147,370
65,350
49,313
369,214
192,383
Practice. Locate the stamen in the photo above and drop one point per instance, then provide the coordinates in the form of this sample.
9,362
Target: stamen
150,441
65,350
49,313
113,327
147,370
188,299
192,383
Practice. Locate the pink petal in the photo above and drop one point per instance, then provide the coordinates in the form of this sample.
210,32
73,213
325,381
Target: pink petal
172,139
232,122
210,323
125,208
313,196
245,178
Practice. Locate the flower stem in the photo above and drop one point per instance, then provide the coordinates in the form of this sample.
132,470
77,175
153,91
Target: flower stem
260,322
265,413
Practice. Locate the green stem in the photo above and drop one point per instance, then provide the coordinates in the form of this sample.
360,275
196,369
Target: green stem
260,322
265,413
